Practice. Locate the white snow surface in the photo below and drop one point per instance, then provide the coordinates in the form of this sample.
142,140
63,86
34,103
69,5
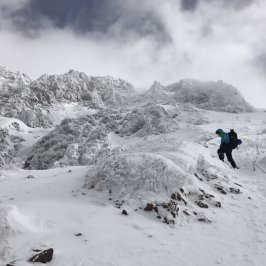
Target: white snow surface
51,208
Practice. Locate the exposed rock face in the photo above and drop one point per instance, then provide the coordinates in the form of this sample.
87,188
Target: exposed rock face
217,96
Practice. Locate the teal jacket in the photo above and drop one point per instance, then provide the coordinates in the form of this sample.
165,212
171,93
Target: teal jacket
225,139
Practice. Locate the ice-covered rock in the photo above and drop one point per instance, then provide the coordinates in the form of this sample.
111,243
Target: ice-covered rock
128,173
217,96
73,142
147,120
33,101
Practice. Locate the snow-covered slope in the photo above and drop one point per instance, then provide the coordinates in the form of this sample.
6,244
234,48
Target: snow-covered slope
55,209
151,155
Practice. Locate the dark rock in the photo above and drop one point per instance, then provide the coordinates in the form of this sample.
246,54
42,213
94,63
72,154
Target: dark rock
204,219
124,212
201,197
37,250
155,209
221,189
168,221
78,234
158,216
202,204
69,171
43,257
186,213
198,177
149,207
30,176
218,204
234,190
176,196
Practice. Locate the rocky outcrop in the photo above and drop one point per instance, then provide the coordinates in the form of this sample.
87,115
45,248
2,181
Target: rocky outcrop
32,101
43,257
217,96
147,120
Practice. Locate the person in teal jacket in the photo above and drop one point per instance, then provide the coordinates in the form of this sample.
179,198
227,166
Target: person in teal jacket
225,147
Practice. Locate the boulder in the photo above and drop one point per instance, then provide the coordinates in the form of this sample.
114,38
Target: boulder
43,257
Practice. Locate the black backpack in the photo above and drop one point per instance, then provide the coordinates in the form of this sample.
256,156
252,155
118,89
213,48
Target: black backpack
234,141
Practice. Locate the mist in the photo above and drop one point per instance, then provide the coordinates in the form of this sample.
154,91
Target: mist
142,41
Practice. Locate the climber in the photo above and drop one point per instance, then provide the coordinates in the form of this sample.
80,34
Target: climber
229,142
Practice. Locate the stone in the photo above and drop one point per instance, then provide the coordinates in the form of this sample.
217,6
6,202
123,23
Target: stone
218,204
124,212
149,207
43,257
202,204
234,190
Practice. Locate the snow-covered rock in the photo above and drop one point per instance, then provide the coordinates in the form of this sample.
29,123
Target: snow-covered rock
33,101
74,86
217,96
74,141
147,120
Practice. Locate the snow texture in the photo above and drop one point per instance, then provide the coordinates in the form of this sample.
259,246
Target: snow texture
103,149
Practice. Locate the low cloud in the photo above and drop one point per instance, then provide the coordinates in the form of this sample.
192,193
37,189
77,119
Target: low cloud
140,41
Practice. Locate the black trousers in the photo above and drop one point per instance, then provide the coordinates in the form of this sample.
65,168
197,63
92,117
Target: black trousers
226,149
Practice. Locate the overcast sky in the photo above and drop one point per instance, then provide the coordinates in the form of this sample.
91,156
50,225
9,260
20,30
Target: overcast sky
139,40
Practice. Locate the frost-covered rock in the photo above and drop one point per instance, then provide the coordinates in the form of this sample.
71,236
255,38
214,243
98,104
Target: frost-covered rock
217,96
155,94
33,101
74,86
129,173
73,142
10,81
147,120
9,147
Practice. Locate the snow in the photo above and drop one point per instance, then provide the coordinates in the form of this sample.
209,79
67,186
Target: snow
112,149
49,209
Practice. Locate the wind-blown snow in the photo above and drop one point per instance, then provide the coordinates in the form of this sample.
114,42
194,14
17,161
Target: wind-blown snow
64,183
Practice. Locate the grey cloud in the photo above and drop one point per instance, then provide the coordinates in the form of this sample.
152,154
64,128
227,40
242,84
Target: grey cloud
189,5
260,62
87,16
